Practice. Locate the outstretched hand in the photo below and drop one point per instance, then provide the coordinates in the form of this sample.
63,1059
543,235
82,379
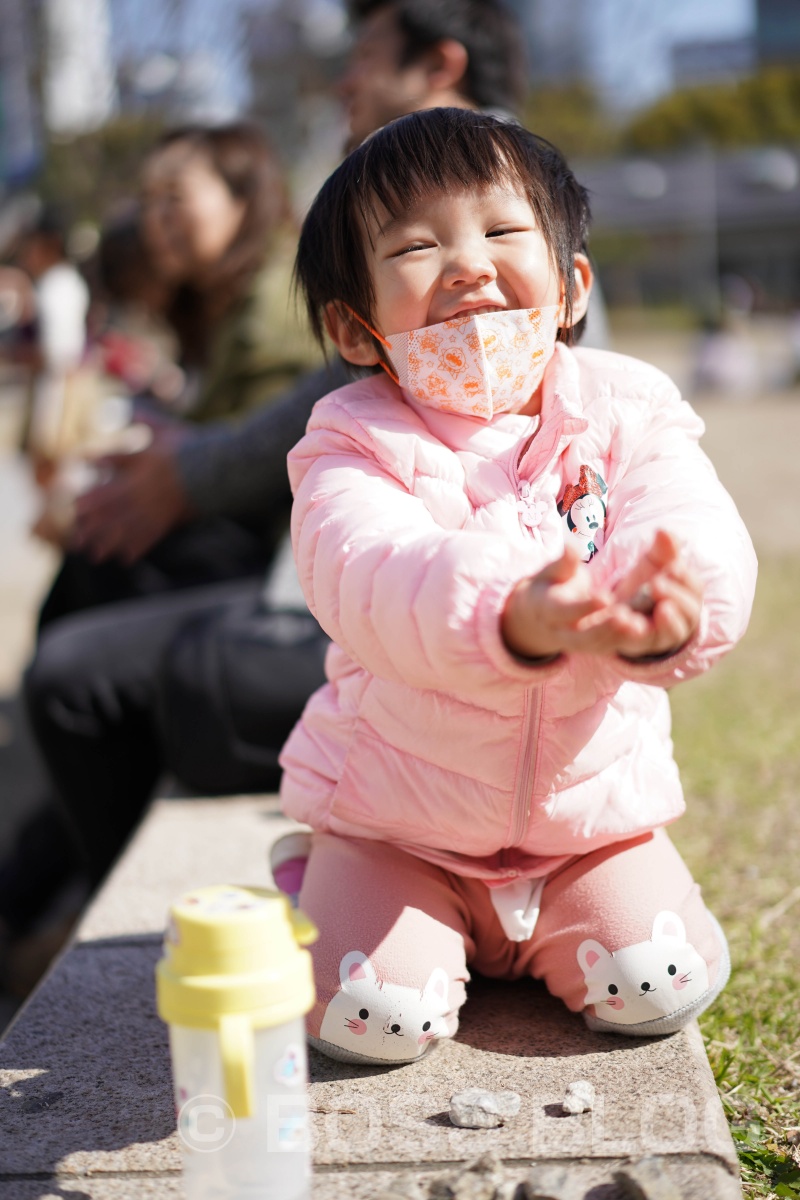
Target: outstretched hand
653,610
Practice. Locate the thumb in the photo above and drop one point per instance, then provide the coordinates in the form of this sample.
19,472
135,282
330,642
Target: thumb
563,568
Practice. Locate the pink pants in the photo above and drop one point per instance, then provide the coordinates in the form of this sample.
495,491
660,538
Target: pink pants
623,937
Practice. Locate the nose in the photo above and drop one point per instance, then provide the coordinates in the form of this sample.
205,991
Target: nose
645,987
395,1028
469,264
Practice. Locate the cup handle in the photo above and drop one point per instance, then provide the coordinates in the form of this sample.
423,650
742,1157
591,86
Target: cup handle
236,1048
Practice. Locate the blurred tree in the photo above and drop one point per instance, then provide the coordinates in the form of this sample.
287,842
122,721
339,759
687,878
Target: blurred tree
90,173
573,118
764,108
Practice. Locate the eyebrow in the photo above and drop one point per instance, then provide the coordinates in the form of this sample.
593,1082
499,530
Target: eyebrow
393,222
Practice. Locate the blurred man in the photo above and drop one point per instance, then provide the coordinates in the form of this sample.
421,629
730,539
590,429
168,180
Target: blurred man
413,54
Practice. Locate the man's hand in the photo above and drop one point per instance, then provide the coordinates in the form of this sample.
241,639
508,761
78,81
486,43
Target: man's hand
654,610
142,501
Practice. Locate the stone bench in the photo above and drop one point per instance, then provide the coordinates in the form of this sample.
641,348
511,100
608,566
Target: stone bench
86,1100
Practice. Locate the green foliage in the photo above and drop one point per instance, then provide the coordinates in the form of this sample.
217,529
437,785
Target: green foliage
760,1159
88,174
573,119
737,740
761,109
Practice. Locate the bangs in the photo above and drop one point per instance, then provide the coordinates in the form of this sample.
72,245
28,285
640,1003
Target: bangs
406,162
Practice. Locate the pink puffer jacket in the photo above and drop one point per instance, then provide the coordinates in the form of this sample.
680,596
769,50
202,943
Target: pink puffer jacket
410,528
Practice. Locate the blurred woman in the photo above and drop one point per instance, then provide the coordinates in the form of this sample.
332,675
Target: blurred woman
216,227
216,223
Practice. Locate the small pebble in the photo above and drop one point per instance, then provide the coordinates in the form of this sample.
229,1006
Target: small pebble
579,1097
476,1108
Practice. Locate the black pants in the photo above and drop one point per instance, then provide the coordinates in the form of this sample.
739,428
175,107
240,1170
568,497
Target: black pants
208,550
201,681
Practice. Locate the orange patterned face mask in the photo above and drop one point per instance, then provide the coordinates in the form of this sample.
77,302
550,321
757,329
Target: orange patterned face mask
476,366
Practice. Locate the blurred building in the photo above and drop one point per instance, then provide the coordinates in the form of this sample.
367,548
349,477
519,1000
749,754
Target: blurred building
20,141
78,86
668,229
778,31
296,52
719,61
559,40
624,49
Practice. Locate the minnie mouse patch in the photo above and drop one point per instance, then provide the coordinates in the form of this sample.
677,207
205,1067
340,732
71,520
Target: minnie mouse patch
583,509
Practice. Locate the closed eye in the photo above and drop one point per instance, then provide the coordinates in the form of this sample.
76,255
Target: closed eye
501,232
414,246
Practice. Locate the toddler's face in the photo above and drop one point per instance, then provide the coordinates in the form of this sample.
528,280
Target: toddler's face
459,253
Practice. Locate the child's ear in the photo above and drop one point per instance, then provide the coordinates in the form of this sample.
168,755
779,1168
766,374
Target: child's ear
349,337
584,277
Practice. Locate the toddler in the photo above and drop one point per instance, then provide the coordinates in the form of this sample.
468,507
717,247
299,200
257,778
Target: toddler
516,547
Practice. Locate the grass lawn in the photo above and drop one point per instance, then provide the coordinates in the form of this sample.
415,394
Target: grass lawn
737,740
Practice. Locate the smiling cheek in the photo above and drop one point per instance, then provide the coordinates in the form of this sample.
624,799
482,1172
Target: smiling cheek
679,982
615,1002
425,1037
357,1026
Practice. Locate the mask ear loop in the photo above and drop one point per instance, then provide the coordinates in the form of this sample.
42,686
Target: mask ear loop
376,335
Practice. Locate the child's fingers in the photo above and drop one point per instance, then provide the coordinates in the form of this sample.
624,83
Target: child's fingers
686,593
662,554
683,576
561,569
604,631
672,627
669,628
621,630
571,612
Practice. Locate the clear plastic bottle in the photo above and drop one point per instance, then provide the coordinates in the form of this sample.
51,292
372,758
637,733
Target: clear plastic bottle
234,985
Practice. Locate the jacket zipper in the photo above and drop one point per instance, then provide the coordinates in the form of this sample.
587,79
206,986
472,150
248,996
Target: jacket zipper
532,719
523,797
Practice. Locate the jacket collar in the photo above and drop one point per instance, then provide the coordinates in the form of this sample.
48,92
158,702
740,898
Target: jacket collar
561,391
561,416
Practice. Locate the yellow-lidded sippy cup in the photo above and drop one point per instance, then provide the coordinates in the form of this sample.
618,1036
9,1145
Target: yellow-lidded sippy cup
234,986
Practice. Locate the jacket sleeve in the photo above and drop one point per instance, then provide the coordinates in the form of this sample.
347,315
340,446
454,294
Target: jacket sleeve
408,600
669,483
239,469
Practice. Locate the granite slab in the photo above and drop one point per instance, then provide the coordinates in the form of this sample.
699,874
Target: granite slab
183,844
85,1093
694,1179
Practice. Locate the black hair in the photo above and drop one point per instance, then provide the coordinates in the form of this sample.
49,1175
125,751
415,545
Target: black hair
497,70
51,222
121,265
431,152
